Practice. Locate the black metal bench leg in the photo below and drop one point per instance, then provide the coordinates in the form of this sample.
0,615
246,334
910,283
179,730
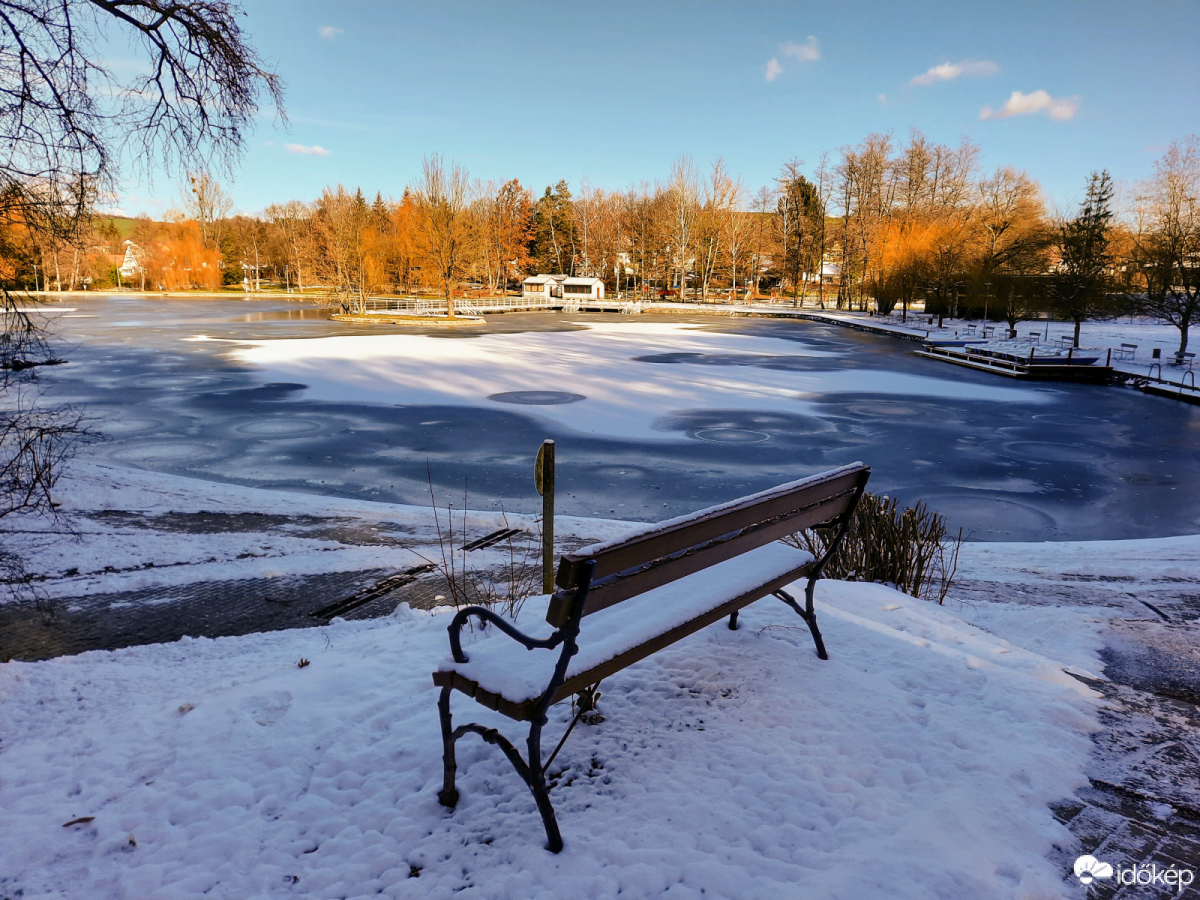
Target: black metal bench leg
541,794
809,615
733,620
448,795
811,618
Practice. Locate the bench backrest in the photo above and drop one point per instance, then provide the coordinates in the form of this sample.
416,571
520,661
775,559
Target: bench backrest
661,553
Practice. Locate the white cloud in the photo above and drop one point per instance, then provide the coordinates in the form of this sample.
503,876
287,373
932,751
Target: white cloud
314,150
1059,109
329,32
809,51
882,98
946,71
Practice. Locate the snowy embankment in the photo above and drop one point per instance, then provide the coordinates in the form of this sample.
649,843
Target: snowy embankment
118,542
917,762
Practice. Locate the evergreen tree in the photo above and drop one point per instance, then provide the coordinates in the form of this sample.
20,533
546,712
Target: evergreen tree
1079,288
553,244
381,217
799,213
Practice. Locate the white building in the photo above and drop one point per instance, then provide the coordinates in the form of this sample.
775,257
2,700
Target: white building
542,287
545,287
131,265
583,288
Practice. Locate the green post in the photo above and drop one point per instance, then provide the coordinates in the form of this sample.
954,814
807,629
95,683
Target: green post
544,477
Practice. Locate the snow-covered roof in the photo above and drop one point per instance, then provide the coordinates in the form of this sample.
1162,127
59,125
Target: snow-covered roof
542,279
582,281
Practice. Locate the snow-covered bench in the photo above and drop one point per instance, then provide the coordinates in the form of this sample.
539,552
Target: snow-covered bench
1125,351
619,601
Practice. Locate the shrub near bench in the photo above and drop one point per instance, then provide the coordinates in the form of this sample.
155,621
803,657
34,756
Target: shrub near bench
620,601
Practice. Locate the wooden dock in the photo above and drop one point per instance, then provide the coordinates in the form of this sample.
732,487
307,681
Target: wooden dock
1030,368
1172,391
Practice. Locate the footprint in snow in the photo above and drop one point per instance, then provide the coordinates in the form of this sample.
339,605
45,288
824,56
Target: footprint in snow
267,709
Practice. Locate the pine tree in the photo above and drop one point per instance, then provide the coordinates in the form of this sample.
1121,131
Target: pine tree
1079,289
381,219
798,216
553,245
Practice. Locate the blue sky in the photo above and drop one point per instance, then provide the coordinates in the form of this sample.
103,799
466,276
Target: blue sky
614,91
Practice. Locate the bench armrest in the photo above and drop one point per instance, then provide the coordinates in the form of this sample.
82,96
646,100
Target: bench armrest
486,615
568,631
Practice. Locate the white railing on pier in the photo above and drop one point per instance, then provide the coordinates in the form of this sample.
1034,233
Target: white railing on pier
432,306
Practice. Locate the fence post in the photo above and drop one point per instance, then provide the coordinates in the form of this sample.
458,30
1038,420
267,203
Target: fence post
544,478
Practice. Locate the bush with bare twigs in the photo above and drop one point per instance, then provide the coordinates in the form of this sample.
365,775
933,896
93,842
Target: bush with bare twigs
910,549
504,588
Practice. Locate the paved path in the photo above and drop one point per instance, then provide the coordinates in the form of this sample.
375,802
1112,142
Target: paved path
1143,801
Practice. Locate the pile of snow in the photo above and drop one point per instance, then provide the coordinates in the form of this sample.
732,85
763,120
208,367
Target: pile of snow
917,762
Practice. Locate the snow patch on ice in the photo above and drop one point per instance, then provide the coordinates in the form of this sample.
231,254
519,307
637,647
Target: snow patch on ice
595,361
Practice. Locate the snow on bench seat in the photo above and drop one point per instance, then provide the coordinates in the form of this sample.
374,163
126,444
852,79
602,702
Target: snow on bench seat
502,667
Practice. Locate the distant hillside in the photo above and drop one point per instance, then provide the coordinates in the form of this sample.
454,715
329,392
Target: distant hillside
123,224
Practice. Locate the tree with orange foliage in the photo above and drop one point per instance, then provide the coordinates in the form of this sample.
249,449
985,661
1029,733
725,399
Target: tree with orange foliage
340,223
405,222
179,259
445,232
506,223
904,251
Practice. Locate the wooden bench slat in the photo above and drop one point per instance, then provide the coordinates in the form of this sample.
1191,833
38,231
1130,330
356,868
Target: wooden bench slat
676,534
637,580
520,712
805,503
578,682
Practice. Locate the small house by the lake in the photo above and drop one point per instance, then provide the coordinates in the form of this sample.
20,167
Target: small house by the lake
542,287
583,288
546,287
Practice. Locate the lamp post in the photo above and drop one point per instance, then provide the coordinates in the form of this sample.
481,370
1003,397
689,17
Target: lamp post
986,298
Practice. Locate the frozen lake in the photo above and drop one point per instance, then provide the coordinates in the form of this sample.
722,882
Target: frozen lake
653,415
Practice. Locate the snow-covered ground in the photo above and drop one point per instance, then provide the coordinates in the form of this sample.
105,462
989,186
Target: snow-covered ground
919,761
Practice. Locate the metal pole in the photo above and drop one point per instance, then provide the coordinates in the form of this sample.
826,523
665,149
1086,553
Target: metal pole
544,473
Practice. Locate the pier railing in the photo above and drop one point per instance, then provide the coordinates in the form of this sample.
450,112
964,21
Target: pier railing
434,306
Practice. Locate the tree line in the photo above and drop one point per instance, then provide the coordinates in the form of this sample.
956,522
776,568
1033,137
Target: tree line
880,225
